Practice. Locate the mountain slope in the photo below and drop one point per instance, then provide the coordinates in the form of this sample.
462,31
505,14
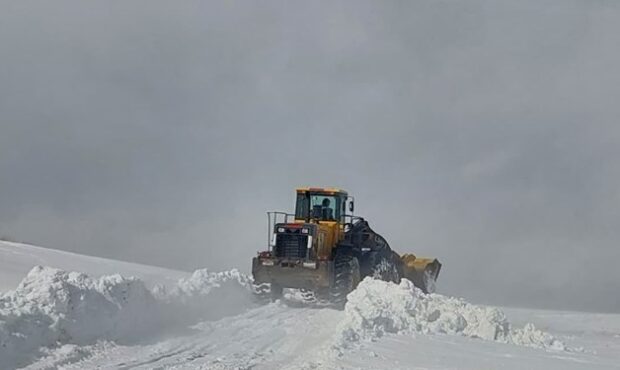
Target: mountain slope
16,259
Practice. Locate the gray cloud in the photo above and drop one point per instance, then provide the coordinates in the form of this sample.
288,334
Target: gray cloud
481,132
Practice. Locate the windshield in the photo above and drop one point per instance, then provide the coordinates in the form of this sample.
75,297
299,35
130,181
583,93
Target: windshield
323,207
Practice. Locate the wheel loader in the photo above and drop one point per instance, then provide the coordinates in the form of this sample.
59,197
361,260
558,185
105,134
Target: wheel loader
324,249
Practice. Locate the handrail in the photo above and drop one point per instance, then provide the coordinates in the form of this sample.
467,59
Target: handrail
352,220
272,220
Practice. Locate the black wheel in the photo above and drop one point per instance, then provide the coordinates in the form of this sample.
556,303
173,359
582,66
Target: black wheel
276,291
346,278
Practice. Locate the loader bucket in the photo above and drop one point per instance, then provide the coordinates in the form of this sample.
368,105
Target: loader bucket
423,272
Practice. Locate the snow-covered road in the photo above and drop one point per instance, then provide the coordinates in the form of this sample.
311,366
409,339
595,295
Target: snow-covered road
277,336
269,337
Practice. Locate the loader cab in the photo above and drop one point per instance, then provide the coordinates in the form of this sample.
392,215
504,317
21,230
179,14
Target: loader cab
321,204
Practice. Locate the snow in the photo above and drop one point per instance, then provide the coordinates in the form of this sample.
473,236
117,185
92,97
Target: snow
377,307
52,306
16,259
57,319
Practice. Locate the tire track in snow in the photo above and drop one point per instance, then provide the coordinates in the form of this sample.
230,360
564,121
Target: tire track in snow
272,336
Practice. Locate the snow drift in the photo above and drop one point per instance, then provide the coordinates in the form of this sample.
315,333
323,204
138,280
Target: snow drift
53,307
69,311
377,307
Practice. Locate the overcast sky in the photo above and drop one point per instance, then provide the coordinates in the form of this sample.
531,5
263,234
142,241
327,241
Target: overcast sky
485,133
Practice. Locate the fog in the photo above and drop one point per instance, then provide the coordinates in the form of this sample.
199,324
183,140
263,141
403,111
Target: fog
484,133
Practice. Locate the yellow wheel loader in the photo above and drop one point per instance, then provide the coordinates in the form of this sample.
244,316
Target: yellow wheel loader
325,249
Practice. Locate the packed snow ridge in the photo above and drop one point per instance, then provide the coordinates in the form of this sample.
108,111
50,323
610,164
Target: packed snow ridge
377,307
52,307
55,308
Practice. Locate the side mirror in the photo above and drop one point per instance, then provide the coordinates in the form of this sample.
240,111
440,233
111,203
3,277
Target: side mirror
351,206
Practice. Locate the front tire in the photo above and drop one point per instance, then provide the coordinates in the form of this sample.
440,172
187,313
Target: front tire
346,278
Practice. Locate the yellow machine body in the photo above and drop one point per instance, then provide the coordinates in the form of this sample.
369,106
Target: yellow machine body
330,233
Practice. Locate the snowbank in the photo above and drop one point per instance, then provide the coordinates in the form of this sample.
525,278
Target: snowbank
377,307
70,310
210,295
53,307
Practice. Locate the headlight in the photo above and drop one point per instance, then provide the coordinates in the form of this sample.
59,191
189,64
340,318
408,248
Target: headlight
280,229
305,231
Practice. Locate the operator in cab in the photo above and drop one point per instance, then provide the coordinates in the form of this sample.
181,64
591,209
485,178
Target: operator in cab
327,213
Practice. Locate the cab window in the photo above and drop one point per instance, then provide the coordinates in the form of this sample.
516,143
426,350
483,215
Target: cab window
323,207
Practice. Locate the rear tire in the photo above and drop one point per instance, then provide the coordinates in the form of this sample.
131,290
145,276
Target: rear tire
346,278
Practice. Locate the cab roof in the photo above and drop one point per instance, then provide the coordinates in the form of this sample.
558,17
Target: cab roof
322,190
